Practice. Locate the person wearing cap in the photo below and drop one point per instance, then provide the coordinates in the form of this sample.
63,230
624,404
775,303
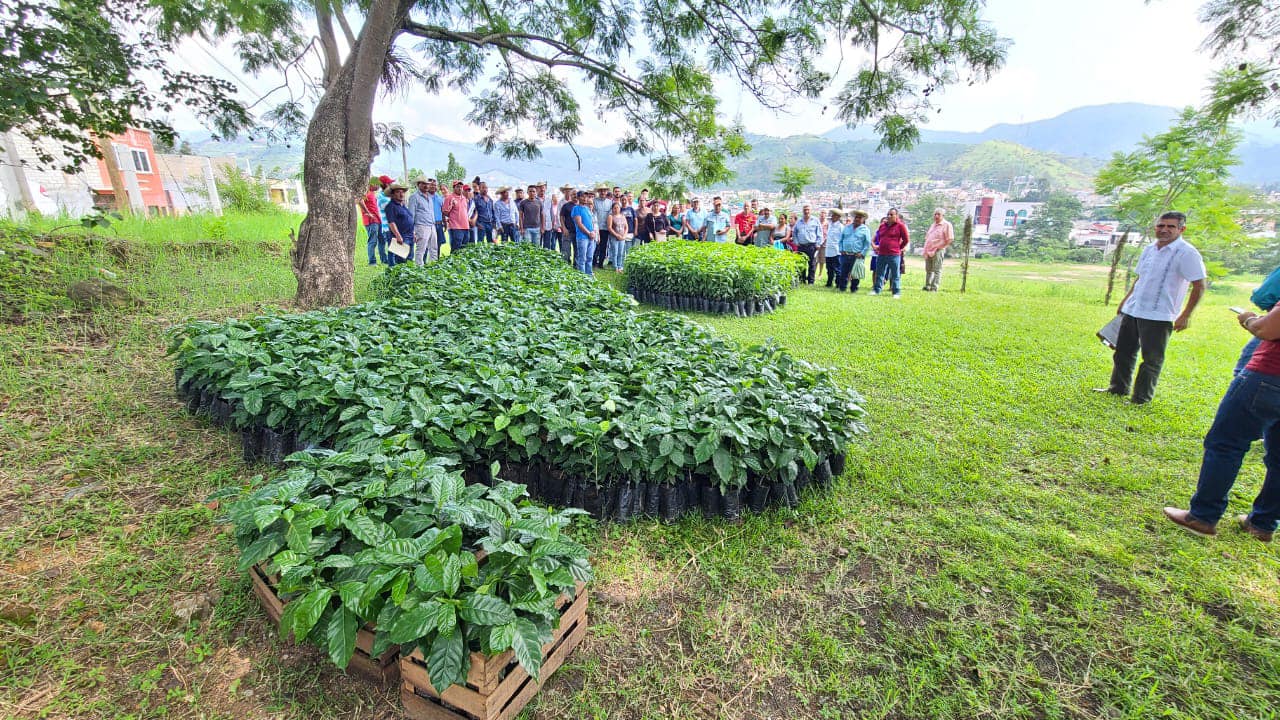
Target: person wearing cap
399,221
530,216
855,246
485,218
763,227
719,221
585,232
384,197
564,219
437,206
601,206
455,215
371,218
425,247
694,220
505,215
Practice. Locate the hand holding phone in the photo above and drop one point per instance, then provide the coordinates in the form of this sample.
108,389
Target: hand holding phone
1237,310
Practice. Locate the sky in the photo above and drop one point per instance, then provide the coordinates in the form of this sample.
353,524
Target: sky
1064,55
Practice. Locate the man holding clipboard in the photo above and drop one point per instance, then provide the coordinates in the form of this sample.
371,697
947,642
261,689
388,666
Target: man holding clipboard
1149,313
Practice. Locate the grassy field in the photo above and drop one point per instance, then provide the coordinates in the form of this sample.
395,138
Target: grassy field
995,548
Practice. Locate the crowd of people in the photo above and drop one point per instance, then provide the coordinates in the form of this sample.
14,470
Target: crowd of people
594,230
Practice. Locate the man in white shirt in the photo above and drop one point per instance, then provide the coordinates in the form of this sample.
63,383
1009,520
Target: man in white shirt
1149,312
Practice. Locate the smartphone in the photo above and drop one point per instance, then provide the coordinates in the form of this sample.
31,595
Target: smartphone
1237,310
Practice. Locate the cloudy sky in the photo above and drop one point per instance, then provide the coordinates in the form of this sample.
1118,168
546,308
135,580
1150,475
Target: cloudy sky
1064,55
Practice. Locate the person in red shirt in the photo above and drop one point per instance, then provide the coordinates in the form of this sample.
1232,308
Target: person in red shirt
456,213
1249,411
745,222
372,221
893,239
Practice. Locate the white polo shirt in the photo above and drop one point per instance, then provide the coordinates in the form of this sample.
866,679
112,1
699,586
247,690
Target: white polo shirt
1163,276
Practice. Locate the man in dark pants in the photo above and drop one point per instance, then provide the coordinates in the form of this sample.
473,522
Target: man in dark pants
1149,312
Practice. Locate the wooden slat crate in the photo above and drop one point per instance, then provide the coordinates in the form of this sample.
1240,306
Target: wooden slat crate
497,687
383,669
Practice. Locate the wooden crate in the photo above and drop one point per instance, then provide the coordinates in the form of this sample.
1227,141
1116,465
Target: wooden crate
383,669
497,687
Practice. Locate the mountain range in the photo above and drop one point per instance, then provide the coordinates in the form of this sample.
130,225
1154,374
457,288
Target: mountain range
1066,150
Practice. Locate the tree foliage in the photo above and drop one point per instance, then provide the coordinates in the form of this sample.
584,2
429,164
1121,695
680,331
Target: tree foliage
1051,222
453,170
1186,166
1245,35
75,69
919,214
793,180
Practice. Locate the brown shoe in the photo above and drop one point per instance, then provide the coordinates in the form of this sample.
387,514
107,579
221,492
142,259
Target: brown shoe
1190,523
1254,530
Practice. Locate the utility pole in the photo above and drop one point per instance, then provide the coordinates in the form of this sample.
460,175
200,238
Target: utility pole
404,157
109,158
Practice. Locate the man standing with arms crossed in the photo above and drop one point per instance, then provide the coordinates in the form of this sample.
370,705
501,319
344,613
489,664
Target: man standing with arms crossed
1149,312
937,239
529,210
807,234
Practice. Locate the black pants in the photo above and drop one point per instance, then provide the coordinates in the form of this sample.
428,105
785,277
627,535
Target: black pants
809,249
845,275
833,269
1151,337
507,232
602,250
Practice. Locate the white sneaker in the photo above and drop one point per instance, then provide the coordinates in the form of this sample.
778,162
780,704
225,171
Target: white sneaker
897,296
875,292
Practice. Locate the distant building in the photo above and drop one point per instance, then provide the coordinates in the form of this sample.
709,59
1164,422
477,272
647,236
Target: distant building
154,183
998,217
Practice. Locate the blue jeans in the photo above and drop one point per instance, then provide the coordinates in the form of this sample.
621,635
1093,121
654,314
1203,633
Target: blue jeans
549,238
617,253
1246,354
507,232
393,260
378,242
484,232
1249,411
531,235
888,268
586,247
459,239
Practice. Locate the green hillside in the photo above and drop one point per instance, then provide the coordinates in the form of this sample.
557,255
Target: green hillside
843,165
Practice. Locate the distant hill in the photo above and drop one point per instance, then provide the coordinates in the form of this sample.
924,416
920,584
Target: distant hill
1067,150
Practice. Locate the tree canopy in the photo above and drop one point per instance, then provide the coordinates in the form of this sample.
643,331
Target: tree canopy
1245,35
793,181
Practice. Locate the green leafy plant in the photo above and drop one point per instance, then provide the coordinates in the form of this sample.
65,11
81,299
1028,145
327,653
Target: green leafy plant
396,539
716,271
505,354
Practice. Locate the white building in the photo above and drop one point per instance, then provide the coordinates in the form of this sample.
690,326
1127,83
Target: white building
998,217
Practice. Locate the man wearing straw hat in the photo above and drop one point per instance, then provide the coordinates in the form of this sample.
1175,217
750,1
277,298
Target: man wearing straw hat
399,222
421,205
855,245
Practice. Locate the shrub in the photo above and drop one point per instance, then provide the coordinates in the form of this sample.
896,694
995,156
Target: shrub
716,271
244,193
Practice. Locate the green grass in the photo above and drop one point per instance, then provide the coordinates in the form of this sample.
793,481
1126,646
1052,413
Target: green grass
995,548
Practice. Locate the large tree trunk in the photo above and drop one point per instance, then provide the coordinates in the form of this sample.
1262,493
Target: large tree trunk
335,165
